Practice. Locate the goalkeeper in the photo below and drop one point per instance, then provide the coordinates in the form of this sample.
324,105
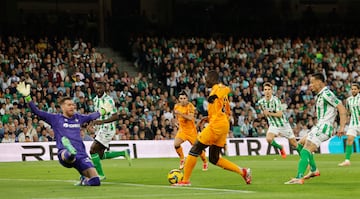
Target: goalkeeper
71,149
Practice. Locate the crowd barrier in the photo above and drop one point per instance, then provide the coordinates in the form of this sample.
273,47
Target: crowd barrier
39,151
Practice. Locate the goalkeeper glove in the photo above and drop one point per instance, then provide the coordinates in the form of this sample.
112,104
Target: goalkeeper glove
105,108
212,98
24,90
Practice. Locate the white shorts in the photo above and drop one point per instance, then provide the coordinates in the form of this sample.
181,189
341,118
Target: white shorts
353,130
316,135
284,131
104,136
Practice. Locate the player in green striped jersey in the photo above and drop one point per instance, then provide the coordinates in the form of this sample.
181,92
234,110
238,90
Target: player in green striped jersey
327,106
278,123
353,107
105,131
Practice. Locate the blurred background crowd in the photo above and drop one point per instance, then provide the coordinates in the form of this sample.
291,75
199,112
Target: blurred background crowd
162,65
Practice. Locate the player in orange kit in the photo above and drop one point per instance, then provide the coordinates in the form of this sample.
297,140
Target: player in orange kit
184,112
215,133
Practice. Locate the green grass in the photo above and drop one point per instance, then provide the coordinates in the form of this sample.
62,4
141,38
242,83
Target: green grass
146,178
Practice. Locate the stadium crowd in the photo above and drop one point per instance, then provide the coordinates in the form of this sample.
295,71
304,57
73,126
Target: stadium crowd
57,67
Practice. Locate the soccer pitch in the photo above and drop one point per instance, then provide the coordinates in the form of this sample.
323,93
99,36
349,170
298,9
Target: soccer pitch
147,178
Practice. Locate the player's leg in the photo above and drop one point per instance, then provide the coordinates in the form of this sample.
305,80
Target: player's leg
312,142
289,134
192,139
115,154
216,159
205,163
270,139
97,152
91,177
179,150
191,159
69,153
301,143
348,149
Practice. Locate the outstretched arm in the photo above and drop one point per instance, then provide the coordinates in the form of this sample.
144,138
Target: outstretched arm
24,90
113,117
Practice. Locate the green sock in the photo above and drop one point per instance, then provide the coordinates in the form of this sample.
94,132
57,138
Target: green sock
348,151
312,162
97,164
113,154
299,148
276,145
303,162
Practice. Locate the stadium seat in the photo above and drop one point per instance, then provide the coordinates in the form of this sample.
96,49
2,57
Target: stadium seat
236,131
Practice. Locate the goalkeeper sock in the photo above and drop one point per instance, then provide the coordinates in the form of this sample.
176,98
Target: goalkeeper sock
180,152
348,151
303,162
189,166
113,154
97,164
94,181
275,144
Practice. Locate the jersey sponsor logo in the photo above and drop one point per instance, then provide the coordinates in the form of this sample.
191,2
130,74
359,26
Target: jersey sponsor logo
67,125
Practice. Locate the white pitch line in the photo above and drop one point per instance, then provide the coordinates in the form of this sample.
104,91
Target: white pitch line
136,185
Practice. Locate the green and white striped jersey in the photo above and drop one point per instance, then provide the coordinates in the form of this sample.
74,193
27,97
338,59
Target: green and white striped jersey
273,105
353,106
326,103
98,102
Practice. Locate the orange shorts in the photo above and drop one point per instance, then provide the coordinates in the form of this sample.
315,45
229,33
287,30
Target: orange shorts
187,136
214,135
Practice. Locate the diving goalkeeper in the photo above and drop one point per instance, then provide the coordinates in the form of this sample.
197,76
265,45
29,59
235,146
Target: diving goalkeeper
71,149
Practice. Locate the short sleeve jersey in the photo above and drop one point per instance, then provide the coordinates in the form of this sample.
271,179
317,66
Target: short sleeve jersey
326,103
98,102
353,105
220,109
273,105
184,123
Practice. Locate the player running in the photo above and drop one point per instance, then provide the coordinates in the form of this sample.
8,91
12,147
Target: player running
184,112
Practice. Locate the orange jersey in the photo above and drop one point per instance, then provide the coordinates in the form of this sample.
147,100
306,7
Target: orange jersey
184,124
219,111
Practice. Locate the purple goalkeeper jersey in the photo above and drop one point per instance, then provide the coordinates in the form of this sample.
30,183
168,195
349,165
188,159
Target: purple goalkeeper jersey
69,127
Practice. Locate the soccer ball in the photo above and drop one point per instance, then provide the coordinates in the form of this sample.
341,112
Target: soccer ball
175,176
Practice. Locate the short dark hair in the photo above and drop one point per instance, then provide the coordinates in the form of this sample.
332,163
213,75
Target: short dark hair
212,77
319,76
356,84
62,100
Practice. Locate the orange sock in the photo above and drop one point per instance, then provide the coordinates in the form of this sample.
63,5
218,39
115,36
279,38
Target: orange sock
226,164
189,166
203,157
179,151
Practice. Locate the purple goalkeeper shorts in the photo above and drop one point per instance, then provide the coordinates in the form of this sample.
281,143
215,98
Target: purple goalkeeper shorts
81,163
